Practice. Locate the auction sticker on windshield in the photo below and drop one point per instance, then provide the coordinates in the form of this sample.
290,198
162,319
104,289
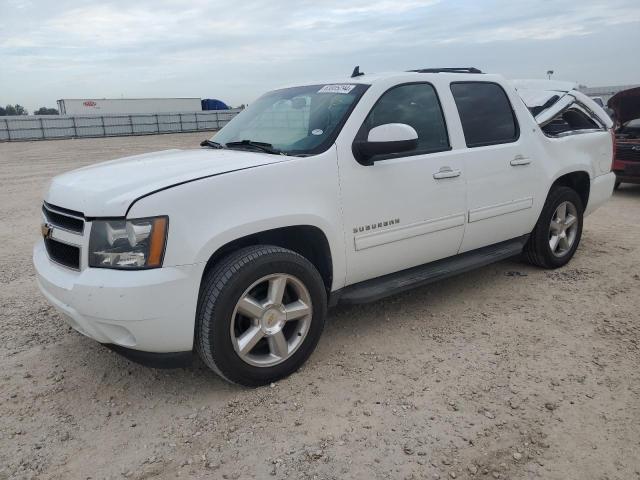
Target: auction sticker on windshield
338,88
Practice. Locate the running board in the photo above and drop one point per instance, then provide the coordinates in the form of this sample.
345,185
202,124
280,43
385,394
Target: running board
377,288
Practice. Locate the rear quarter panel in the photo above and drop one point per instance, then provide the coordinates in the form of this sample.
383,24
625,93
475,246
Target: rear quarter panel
589,152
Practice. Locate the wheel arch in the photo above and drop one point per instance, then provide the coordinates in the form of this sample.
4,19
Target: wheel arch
578,180
307,240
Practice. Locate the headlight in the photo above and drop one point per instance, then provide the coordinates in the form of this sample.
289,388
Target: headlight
128,244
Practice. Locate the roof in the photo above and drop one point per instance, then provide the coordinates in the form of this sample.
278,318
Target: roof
412,75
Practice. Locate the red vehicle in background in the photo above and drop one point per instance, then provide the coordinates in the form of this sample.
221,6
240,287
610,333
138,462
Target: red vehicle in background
626,162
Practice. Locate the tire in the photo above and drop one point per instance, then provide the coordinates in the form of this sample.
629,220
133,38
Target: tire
228,313
538,250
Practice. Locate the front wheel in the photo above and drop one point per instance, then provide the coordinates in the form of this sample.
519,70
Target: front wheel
556,236
260,315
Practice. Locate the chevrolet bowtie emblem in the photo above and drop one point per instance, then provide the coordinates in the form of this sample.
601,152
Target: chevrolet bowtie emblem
46,230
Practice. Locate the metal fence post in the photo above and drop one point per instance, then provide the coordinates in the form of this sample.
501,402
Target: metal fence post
131,124
197,124
157,123
104,130
75,127
41,127
6,122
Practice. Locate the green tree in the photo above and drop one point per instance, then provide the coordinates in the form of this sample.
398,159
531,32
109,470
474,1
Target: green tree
15,110
46,111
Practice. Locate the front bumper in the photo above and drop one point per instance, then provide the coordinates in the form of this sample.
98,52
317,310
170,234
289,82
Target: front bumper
144,310
601,190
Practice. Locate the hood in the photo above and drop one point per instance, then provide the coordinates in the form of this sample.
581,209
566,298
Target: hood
108,189
626,105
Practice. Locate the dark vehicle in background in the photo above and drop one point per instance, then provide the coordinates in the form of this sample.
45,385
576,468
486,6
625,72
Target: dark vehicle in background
626,108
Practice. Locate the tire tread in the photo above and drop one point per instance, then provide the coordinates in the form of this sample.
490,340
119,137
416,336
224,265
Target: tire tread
534,250
214,281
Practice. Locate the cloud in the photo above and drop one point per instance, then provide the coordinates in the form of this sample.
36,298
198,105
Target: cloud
238,49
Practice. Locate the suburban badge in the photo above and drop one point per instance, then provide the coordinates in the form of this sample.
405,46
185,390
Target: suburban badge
375,226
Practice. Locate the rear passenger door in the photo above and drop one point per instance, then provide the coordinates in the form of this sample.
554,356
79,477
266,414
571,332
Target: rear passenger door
500,171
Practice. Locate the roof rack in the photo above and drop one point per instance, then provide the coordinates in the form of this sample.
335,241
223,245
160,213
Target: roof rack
448,70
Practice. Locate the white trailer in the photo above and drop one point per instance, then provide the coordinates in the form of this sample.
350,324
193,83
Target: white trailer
102,106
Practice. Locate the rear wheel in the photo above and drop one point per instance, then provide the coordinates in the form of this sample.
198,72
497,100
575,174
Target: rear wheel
556,236
261,313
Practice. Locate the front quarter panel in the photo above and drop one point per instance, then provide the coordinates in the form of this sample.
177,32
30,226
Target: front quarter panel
206,214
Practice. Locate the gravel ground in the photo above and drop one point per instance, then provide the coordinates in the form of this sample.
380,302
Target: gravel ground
508,372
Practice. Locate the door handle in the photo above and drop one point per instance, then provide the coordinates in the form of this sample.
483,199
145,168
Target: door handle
520,160
446,172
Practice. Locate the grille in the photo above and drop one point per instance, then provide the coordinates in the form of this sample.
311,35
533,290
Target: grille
66,255
62,218
627,153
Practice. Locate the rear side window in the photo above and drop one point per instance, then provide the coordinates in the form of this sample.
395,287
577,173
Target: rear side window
485,112
414,104
572,120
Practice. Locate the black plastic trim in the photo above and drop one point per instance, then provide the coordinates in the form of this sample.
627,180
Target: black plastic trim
63,253
66,211
381,287
63,221
154,359
447,70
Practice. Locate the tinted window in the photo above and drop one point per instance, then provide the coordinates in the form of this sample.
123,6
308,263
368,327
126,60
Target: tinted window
485,113
416,105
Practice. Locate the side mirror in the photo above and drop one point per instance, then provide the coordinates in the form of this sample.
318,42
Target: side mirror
384,140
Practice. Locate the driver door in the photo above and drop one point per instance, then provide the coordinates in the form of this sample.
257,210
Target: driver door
405,209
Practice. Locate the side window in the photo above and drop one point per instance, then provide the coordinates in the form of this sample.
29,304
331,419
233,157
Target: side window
485,112
416,105
572,120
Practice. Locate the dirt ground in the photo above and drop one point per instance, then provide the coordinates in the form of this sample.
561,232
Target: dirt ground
508,372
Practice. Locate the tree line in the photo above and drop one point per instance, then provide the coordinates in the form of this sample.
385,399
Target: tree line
20,110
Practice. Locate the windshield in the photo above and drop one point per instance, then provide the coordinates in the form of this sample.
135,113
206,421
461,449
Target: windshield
294,121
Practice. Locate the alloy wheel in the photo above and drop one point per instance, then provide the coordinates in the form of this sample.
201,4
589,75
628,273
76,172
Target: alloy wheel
563,229
271,320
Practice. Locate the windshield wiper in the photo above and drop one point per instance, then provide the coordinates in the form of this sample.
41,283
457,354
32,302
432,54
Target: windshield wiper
264,147
211,143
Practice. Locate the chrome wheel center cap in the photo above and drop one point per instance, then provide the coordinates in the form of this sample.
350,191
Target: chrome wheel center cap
272,320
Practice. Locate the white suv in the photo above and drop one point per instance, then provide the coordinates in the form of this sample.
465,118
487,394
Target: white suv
344,191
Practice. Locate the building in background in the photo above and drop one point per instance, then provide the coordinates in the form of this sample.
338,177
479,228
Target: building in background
104,106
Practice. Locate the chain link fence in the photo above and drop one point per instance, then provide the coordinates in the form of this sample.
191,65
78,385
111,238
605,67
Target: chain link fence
47,127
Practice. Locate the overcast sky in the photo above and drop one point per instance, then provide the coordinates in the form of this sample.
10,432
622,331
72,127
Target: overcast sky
235,50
